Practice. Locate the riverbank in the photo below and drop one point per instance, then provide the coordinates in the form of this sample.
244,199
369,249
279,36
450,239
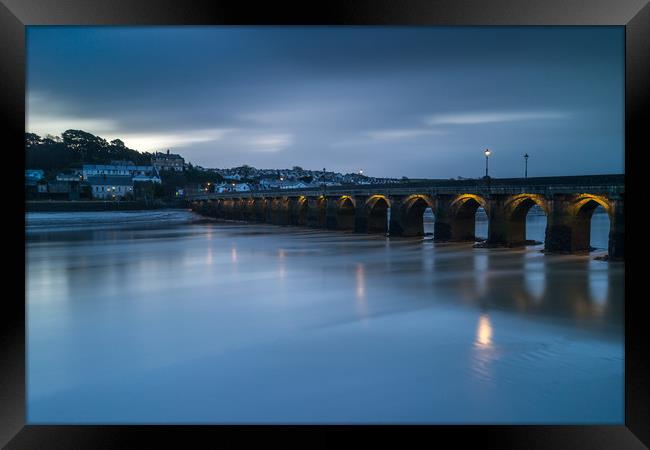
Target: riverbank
97,205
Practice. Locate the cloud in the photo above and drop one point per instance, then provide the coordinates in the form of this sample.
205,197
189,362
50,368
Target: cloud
473,118
158,141
400,133
55,125
268,142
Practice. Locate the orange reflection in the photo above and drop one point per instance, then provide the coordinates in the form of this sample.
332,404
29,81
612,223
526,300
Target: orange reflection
361,282
362,306
484,332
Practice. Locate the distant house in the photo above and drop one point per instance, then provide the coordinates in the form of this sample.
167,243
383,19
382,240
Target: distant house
139,173
293,185
168,161
242,187
33,175
75,175
223,187
110,187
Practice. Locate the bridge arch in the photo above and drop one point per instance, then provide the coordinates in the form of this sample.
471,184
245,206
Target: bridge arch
583,209
463,210
345,213
302,211
248,209
377,207
516,209
413,210
260,208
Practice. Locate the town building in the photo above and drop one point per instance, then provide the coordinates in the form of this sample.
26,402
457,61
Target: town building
139,173
168,161
110,187
33,175
74,175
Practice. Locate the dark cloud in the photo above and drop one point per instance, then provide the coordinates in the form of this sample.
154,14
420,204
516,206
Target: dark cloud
395,101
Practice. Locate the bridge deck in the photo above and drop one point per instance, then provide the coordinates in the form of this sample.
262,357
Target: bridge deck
605,184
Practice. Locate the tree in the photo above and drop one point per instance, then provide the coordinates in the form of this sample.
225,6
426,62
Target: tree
77,147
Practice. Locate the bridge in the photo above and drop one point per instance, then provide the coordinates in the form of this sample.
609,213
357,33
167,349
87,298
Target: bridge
397,209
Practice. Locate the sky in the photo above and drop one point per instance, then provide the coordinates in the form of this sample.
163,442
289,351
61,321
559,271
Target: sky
421,102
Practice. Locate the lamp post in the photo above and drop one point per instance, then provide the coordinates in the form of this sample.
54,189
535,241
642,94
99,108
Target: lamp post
526,165
487,155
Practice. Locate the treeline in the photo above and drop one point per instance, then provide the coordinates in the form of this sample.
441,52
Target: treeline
74,148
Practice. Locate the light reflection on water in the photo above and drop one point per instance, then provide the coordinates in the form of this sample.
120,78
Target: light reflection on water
154,318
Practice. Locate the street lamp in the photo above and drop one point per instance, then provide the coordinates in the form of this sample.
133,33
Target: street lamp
526,165
487,154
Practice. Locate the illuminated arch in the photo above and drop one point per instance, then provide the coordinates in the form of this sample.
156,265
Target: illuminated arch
415,199
376,207
373,199
469,200
518,205
302,210
586,203
345,213
345,198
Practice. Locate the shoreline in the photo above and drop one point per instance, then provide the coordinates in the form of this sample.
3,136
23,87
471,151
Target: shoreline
97,205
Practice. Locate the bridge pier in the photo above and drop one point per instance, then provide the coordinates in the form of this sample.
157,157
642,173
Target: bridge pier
396,227
560,229
314,212
331,214
442,219
617,230
294,211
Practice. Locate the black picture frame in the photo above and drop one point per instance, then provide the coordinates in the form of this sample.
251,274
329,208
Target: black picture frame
634,15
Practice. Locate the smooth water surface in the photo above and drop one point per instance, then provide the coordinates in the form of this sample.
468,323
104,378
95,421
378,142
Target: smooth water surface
166,317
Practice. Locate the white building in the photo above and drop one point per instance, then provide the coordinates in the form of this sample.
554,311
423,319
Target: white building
242,187
110,187
139,173
34,175
293,185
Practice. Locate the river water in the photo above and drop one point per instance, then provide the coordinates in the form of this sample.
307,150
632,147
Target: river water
167,317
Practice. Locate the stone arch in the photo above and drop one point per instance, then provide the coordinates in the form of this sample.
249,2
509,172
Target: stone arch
345,213
463,216
377,212
248,209
239,208
516,210
218,208
583,209
413,214
260,209
302,213
228,208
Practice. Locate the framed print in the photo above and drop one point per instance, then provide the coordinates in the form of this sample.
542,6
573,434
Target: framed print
348,213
